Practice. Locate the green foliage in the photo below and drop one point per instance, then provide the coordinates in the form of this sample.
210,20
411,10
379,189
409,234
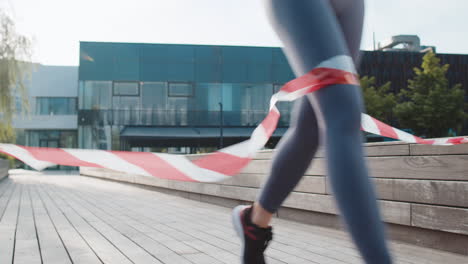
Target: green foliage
429,106
379,101
15,52
7,135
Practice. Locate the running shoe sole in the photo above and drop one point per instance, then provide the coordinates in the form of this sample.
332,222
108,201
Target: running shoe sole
237,223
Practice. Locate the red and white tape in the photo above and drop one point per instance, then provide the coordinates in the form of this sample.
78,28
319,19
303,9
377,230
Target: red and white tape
228,161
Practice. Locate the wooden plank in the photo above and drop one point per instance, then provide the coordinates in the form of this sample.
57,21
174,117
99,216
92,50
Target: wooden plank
26,241
186,220
8,226
103,248
392,212
210,245
450,193
268,154
378,149
141,233
420,150
6,189
178,247
77,248
454,220
151,181
415,167
245,180
202,258
420,167
52,249
128,247
308,184
381,150
181,213
436,192
4,167
453,193
210,226
411,167
311,184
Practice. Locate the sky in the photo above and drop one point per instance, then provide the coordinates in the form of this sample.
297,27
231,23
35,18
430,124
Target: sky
57,26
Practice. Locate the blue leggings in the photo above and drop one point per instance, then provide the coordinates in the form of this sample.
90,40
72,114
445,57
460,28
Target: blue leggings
313,31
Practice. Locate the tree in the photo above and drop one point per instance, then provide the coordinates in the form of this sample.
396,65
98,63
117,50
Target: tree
379,101
15,54
429,106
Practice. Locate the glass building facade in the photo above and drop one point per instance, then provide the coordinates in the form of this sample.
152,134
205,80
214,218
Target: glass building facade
186,96
56,106
141,87
52,96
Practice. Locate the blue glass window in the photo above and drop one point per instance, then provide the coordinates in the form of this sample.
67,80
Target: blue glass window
125,102
52,138
126,88
177,89
55,106
96,95
154,95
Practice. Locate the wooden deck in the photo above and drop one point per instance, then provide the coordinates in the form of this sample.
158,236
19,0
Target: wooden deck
76,219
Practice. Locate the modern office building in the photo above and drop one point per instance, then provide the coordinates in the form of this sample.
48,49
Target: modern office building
185,96
52,118
197,96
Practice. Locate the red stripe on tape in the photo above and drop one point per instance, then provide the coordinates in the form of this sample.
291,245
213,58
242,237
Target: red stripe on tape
318,78
270,122
385,130
58,156
223,163
424,141
455,141
153,164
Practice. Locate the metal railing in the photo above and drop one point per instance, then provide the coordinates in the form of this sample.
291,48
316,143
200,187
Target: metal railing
154,117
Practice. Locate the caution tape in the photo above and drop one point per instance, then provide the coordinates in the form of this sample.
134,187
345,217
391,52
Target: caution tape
226,162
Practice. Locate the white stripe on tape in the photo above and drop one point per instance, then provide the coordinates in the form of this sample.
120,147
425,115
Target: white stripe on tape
191,170
239,149
340,62
402,135
368,124
257,140
107,160
25,156
441,142
283,96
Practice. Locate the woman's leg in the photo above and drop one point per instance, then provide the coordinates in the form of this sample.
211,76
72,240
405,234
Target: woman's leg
313,31
293,156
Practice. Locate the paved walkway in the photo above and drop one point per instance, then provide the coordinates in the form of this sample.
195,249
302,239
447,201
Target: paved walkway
74,219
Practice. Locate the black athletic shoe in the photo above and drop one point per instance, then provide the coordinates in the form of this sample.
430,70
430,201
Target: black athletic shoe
254,239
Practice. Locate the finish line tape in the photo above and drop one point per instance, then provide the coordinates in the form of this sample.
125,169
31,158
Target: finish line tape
225,162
